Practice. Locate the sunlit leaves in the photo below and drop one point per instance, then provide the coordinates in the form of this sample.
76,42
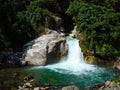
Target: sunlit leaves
99,20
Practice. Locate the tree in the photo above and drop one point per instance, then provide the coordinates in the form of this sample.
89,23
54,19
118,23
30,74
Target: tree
99,23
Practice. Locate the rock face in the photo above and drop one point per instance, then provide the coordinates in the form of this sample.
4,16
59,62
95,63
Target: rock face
45,49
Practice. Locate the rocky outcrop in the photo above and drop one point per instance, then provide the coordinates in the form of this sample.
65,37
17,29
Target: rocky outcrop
45,49
91,59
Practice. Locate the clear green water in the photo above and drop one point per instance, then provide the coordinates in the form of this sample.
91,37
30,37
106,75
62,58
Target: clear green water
82,79
11,78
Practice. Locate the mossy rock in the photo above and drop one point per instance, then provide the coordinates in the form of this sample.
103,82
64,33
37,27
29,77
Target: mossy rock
117,80
92,60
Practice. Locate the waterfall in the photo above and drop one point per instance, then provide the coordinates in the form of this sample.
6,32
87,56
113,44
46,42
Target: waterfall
74,62
75,54
73,70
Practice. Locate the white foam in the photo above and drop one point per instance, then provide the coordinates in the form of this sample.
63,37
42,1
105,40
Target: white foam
74,63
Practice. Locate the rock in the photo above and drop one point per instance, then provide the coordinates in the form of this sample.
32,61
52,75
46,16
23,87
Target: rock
91,59
45,49
101,88
117,65
107,83
70,88
74,33
23,63
112,84
109,88
27,85
36,88
19,87
28,78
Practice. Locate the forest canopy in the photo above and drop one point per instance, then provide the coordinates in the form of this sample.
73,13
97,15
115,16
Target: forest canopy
98,22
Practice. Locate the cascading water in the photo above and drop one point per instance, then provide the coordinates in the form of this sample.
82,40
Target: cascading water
74,54
74,62
73,70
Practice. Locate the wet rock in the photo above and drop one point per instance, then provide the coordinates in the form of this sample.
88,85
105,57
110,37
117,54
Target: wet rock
45,49
70,88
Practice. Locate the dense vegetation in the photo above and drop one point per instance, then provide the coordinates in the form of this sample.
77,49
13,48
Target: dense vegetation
99,25
21,21
97,22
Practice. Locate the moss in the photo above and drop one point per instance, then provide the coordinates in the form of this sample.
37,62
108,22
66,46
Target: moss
117,80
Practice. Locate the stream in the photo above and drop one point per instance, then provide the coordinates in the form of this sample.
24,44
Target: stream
71,71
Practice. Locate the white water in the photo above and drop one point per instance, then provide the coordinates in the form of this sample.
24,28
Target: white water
73,70
74,62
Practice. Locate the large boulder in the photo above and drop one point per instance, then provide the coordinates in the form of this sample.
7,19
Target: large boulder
45,49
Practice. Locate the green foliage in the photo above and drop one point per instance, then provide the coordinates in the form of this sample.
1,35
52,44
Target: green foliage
99,23
35,14
21,21
117,80
8,11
